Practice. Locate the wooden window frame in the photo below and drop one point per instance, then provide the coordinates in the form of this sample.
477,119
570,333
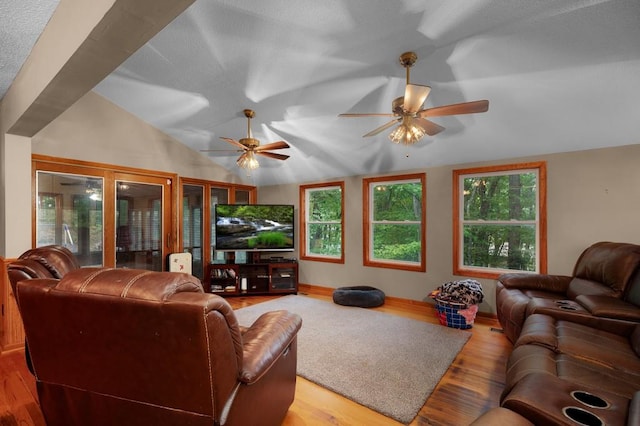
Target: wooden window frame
303,222
367,222
111,173
541,229
208,215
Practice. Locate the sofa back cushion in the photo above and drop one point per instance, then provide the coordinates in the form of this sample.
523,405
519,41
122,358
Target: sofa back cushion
57,259
611,264
24,269
579,286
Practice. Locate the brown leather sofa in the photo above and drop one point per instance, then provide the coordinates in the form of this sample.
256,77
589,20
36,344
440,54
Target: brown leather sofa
560,369
576,340
584,355
132,347
604,289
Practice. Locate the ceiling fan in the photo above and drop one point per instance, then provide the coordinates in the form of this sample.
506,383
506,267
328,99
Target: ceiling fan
250,146
412,118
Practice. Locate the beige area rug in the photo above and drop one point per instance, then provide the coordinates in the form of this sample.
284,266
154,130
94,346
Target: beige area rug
385,362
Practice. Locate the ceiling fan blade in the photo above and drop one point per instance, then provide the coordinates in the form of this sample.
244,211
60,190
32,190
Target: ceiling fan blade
372,114
414,97
381,128
429,127
456,109
272,145
221,150
235,142
272,155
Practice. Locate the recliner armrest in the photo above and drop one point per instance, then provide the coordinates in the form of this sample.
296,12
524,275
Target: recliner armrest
552,283
265,341
609,307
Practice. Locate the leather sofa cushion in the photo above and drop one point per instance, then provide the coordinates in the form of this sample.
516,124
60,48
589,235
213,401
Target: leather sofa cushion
57,259
541,282
589,345
612,264
609,307
528,359
24,269
579,286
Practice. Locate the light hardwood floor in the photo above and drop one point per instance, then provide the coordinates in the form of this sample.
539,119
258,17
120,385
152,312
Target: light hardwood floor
471,386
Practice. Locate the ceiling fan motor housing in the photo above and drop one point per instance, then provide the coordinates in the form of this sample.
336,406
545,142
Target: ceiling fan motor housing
250,142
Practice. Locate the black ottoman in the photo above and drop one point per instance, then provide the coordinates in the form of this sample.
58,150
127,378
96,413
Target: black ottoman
362,296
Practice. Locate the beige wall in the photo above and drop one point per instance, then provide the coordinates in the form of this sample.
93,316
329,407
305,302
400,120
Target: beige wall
592,196
94,129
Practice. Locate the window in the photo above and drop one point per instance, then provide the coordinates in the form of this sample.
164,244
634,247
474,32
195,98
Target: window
394,222
322,219
70,213
122,217
499,220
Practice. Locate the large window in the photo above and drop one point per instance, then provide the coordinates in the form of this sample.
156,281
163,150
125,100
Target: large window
322,222
394,222
500,220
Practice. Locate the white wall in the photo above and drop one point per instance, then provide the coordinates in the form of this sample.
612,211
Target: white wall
591,196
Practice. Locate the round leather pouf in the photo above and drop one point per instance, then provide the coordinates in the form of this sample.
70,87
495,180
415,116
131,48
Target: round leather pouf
361,296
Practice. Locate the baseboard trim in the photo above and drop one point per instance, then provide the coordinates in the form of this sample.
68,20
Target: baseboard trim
399,302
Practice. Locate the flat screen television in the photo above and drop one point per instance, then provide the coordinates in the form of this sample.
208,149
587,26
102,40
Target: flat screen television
254,227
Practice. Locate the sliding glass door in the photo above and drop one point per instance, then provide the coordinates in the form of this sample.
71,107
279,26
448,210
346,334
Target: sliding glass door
142,229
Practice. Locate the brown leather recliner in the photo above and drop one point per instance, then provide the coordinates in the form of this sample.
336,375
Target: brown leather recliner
131,347
52,261
604,290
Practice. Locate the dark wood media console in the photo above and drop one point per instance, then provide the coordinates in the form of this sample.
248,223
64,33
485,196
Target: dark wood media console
243,279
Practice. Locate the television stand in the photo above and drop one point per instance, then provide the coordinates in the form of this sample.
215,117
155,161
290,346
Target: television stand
246,279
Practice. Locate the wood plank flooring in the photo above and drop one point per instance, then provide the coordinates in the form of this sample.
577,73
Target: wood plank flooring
470,387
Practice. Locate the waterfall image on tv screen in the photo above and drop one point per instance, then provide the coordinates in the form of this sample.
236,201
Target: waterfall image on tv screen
254,227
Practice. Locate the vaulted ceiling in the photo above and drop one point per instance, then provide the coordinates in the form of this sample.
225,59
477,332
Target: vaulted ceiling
560,76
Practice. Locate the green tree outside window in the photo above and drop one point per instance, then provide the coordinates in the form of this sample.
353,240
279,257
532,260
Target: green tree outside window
499,219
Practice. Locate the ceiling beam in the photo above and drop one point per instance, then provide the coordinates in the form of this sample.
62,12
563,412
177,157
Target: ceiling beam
82,44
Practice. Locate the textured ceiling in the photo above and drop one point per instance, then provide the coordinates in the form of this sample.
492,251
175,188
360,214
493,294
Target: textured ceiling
21,22
560,76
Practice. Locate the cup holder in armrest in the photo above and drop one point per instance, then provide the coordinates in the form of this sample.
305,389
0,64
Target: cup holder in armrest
582,417
589,399
568,308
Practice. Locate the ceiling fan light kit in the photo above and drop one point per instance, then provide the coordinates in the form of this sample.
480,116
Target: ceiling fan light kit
248,161
408,112
408,132
250,146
